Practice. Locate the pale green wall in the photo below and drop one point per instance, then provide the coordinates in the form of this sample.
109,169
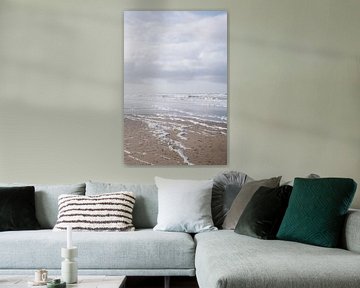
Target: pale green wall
294,89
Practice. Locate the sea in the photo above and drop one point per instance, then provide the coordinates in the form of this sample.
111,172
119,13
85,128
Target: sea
201,106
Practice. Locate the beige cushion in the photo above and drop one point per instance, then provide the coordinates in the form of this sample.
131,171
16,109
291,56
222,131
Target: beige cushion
243,198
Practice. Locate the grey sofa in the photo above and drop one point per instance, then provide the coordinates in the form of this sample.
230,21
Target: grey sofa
218,259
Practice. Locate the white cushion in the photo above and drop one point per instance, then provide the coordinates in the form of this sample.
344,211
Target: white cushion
184,205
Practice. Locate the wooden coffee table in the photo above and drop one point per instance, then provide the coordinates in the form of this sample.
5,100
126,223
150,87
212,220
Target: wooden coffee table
84,281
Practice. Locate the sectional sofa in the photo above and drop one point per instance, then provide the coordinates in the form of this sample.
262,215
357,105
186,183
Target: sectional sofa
221,259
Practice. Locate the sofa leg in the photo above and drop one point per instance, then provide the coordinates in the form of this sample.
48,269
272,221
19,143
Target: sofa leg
167,282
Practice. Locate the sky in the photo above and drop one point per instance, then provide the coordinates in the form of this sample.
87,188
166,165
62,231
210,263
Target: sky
175,52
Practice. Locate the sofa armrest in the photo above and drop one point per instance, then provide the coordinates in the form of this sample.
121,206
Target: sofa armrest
351,233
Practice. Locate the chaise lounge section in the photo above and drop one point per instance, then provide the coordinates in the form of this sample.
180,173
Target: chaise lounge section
225,259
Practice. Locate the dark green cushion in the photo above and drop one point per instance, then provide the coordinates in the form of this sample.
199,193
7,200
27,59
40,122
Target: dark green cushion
264,213
316,211
17,208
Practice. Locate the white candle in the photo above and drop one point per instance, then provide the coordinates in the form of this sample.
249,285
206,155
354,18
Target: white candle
69,237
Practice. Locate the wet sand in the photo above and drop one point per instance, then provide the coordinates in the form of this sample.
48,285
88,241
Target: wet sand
165,140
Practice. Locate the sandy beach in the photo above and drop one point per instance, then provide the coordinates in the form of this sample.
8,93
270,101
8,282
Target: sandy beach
165,140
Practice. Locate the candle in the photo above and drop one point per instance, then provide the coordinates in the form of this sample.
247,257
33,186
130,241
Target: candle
69,239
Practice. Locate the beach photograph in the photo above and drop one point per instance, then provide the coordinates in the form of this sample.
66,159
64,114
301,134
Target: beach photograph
175,88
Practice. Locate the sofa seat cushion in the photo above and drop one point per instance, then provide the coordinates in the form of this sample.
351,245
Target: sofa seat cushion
142,249
226,259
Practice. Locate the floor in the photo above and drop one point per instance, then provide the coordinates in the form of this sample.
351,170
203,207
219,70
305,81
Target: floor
158,282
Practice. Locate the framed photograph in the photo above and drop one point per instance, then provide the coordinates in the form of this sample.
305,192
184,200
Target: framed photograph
175,88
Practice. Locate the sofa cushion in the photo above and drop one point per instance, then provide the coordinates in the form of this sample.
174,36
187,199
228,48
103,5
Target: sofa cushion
105,212
46,200
146,205
263,214
137,250
225,189
184,205
243,198
317,209
17,208
225,259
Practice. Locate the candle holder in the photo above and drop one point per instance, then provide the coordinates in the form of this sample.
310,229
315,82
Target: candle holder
69,271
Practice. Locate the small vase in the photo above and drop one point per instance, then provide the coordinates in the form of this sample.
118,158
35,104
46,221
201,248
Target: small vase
69,271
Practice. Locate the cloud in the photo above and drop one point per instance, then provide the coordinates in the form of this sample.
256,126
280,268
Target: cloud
176,47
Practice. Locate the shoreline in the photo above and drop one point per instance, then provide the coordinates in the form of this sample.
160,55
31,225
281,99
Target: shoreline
166,140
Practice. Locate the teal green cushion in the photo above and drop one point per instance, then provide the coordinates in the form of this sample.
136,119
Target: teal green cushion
316,211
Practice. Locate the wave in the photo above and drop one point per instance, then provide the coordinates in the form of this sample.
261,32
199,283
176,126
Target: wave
201,108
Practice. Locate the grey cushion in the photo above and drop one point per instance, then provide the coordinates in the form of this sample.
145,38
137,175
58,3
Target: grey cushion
46,200
243,198
146,204
225,259
184,205
351,234
144,249
225,189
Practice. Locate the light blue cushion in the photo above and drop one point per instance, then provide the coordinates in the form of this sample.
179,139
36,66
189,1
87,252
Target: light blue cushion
146,204
184,205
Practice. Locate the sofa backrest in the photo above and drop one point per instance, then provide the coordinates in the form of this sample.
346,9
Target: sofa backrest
146,203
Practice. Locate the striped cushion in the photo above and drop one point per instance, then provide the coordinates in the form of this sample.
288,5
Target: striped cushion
105,212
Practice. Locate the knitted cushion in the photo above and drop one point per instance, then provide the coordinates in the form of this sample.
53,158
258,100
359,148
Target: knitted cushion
105,212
